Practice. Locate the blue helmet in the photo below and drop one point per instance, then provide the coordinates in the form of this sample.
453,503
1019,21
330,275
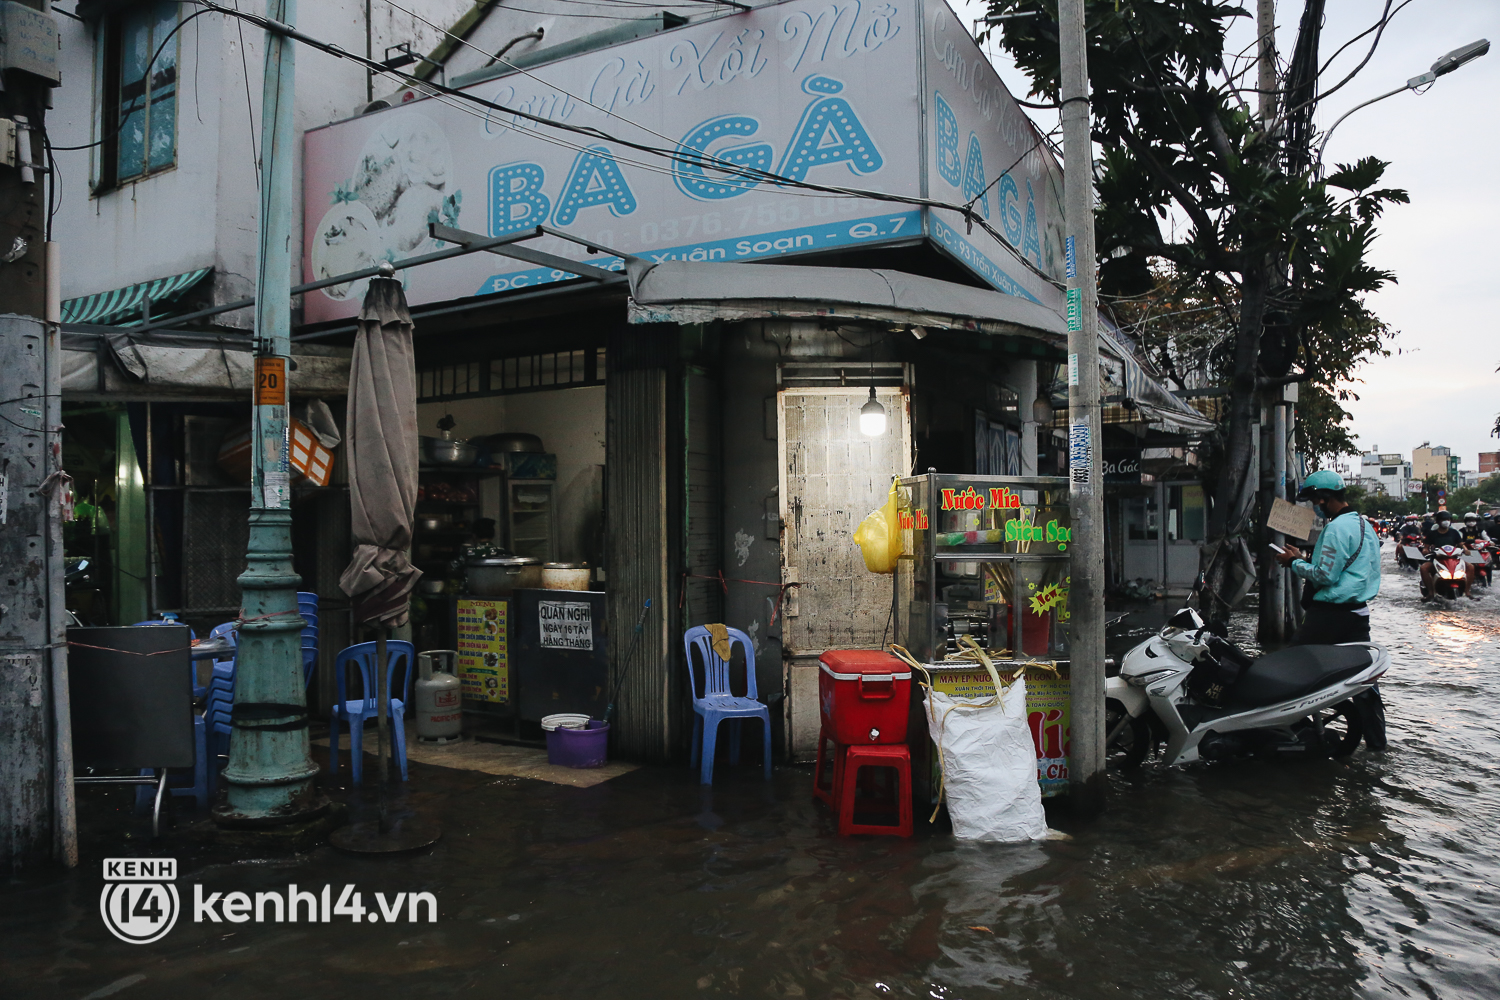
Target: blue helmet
1324,480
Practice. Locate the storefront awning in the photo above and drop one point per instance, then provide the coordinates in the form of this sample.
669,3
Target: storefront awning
688,292
122,307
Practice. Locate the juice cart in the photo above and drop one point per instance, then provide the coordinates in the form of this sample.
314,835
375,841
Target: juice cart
987,557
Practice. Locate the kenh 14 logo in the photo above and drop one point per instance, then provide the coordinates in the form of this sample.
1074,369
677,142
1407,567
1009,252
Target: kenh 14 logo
139,902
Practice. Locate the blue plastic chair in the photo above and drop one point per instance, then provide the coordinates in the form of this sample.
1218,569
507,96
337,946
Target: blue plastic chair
718,703
357,711
307,597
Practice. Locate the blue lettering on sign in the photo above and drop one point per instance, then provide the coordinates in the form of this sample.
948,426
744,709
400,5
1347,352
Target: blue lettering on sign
829,132
970,255
691,177
516,198
875,229
595,179
948,166
1010,212
1031,244
974,186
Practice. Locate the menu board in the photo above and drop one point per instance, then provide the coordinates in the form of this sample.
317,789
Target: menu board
482,627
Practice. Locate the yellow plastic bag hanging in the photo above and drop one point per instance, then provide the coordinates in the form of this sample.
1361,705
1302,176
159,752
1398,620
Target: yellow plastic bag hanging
879,536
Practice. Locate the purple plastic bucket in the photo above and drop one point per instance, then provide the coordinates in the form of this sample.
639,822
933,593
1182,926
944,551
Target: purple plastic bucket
579,747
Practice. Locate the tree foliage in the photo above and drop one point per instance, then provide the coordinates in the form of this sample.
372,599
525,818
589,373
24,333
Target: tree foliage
1194,184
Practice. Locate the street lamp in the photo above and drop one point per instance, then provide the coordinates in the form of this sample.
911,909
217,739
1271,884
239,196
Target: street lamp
1445,65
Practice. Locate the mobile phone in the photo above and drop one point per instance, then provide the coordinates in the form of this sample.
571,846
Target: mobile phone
1278,549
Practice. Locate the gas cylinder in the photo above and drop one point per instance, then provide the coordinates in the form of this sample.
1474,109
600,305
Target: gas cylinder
439,702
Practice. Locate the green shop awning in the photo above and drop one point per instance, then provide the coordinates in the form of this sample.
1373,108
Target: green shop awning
122,307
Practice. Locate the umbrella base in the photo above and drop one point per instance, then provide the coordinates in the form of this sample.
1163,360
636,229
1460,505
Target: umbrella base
401,833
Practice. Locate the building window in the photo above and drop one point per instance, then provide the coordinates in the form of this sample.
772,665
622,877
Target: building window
1388,470
526,373
138,123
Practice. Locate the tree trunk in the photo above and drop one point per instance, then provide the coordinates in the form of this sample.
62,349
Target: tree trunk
1235,489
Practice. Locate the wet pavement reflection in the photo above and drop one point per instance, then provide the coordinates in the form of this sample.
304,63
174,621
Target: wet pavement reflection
1375,876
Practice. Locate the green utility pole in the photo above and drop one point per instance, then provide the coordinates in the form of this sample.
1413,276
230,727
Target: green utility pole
1086,504
270,775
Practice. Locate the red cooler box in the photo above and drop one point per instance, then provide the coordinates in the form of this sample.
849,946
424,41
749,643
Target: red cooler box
864,696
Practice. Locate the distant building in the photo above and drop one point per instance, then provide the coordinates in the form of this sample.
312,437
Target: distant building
1384,472
1468,477
1489,463
1435,460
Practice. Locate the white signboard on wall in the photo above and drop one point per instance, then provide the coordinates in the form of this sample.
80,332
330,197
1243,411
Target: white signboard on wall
817,91
982,149
820,91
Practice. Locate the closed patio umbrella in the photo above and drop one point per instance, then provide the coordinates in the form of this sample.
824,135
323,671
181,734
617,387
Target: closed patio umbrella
382,432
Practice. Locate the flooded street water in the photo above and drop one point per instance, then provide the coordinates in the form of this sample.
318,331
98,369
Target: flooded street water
1375,876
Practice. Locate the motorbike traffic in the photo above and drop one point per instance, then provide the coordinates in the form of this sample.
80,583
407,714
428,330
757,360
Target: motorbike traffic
1208,700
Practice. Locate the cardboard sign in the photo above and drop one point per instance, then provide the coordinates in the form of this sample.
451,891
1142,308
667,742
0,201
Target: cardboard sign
1290,519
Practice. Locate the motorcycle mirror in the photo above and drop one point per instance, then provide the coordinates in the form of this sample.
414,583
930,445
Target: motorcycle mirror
1187,620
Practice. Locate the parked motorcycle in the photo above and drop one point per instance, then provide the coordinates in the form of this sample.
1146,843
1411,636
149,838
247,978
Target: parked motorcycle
1450,576
1208,700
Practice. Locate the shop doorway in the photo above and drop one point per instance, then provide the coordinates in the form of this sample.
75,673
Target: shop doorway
831,476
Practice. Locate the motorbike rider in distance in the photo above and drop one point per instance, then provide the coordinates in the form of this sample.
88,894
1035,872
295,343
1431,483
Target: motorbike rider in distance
1476,539
1344,571
1443,533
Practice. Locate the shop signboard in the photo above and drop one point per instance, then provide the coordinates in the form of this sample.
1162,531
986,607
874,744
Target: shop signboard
820,91
1122,465
1047,716
483,649
983,150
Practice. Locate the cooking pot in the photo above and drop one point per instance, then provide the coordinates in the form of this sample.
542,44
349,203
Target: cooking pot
513,442
439,451
501,576
565,576
432,585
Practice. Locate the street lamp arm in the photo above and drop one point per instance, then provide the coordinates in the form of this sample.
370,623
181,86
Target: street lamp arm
1445,65
1318,162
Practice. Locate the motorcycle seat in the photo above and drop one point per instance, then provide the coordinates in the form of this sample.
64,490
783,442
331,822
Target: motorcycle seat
1298,670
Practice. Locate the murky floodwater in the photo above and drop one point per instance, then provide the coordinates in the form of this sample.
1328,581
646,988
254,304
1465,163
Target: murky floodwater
1371,877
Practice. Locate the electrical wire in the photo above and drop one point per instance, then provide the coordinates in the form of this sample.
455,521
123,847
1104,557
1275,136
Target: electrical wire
249,105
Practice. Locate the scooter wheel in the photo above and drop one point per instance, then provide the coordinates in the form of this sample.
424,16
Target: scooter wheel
1132,741
1341,729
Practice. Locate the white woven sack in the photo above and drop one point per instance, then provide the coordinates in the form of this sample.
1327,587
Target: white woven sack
989,766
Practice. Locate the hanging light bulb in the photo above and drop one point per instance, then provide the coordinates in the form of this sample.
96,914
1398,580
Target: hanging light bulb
872,417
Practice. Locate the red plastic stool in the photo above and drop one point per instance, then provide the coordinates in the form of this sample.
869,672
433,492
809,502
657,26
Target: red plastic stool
847,779
826,792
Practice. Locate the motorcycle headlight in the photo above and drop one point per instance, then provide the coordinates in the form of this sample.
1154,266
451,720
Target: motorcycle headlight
1143,680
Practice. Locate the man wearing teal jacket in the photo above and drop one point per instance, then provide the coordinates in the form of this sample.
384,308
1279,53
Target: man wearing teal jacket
1344,575
1344,570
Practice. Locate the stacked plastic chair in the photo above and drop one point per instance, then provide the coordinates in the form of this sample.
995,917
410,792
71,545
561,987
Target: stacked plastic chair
307,607
220,706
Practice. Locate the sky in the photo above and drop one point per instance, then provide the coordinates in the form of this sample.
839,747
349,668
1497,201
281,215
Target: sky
1440,384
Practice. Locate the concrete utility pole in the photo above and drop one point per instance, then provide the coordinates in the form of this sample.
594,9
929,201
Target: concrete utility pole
36,744
1273,584
270,774
1086,504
